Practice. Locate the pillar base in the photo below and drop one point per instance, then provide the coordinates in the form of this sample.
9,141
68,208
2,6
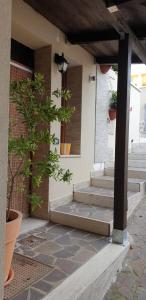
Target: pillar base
120,236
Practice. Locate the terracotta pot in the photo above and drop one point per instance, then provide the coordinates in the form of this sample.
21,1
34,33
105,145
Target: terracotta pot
104,68
65,148
112,114
12,232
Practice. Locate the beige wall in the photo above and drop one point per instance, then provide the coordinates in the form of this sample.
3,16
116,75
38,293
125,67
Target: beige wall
5,19
36,32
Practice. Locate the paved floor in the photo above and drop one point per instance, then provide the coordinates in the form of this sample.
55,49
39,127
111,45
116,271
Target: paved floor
86,211
46,256
131,281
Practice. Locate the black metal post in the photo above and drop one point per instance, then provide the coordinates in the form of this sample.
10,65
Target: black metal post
122,132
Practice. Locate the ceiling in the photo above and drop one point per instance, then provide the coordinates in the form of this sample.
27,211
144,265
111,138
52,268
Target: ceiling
90,24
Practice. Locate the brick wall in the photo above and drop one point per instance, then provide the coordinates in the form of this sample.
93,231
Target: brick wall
17,127
43,66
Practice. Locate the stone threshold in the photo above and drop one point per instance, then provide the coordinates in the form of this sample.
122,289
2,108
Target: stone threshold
93,279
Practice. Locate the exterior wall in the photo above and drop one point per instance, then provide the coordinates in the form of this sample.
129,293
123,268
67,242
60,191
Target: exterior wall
5,17
37,32
142,115
135,100
73,128
134,117
104,128
43,66
17,127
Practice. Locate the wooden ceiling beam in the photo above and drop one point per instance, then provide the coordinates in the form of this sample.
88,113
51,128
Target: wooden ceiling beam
110,3
111,60
86,37
121,26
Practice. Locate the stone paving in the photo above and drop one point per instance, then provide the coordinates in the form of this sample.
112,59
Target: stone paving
62,249
86,211
131,281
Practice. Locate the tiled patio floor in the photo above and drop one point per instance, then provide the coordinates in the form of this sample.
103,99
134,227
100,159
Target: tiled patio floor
131,281
60,249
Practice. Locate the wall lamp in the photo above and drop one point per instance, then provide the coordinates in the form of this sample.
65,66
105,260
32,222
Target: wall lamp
61,62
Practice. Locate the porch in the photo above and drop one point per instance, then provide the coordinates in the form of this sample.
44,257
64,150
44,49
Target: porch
75,251
58,261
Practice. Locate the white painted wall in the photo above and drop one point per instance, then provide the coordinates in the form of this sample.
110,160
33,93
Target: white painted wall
134,115
142,120
134,119
105,129
36,32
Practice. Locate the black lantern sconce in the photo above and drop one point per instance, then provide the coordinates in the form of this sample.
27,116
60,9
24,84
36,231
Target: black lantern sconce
61,62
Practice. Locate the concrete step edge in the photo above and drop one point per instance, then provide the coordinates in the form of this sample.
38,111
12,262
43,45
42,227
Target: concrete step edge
83,223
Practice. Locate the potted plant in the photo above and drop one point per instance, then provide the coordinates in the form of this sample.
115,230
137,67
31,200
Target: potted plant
113,106
104,68
35,107
65,148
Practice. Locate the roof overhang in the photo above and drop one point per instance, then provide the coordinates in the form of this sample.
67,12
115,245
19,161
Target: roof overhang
98,25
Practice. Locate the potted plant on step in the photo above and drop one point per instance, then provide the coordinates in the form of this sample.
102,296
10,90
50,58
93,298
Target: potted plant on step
113,106
38,111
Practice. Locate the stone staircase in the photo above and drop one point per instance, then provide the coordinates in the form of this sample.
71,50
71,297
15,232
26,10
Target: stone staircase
92,205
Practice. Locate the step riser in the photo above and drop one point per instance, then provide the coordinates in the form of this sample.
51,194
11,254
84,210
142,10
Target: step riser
137,156
102,183
131,173
132,204
95,226
137,164
91,199
133,187
104,201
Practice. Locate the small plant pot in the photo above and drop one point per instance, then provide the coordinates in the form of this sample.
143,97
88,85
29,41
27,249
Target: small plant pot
12,232
65,148
104,68
112,114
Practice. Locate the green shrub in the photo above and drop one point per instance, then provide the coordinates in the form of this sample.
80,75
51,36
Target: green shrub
36,108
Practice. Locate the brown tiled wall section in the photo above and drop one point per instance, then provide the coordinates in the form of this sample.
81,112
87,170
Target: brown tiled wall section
73,128
19,198
43,66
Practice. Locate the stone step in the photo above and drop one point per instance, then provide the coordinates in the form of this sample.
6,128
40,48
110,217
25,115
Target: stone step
137,163
134,184
132,172
100,196
132,163
85,217
140,156
133,202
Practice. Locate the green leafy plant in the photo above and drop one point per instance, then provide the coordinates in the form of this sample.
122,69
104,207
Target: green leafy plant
113,100
115,68
38,111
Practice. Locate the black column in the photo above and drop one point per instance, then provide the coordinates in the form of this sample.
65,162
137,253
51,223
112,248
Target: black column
122,132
